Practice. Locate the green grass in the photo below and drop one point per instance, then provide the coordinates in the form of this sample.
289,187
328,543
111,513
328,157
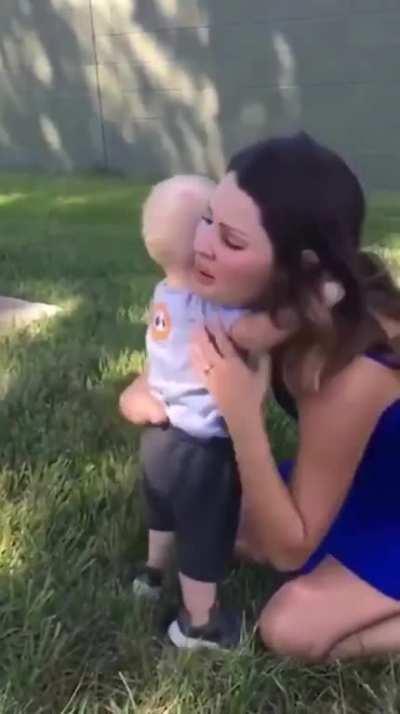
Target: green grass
72,639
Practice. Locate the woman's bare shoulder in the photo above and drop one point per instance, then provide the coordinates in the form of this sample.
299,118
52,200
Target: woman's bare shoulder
364,384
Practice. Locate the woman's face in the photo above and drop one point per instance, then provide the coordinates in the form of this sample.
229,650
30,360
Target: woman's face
233,253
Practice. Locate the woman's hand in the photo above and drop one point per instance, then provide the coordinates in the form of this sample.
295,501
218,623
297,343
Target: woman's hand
239,389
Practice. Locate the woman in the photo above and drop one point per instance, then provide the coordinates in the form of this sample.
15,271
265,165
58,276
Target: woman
287,213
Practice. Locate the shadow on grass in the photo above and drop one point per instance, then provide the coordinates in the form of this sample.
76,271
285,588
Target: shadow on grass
70,520
71,524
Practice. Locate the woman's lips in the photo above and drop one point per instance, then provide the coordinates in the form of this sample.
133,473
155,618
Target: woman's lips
203,276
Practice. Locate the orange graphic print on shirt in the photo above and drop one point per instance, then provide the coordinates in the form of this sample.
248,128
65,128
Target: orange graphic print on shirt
160,327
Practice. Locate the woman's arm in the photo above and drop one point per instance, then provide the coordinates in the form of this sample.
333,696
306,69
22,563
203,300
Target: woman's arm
335,425
334,428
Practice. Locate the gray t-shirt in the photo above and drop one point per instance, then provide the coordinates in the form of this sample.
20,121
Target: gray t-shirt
174,315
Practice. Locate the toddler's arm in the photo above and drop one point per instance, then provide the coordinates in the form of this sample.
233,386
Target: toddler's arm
256,332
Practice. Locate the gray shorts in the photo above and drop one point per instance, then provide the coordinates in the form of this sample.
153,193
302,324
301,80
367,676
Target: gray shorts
191,487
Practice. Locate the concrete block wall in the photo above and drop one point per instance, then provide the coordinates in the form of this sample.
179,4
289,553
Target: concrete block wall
152,87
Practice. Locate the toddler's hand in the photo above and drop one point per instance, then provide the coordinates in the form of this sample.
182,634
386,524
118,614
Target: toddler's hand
156,413
139,406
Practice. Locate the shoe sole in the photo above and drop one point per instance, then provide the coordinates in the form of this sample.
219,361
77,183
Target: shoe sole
189,643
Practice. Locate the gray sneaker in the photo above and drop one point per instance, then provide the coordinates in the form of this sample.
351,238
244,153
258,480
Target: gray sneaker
147,583
222,631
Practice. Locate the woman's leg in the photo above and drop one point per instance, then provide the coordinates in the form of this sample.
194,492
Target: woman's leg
380,638
315,616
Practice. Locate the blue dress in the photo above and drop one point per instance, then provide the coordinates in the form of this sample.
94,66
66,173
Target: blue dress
365,536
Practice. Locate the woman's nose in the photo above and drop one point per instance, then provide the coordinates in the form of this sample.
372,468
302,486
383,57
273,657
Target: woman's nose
204,241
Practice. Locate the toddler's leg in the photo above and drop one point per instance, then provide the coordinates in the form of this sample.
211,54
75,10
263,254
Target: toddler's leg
155,445
159,549
148,581
198,598
206,515
201,622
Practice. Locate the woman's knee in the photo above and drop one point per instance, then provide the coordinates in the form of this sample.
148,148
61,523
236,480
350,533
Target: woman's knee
289,623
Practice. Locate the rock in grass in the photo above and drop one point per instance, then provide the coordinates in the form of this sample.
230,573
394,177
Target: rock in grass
15,313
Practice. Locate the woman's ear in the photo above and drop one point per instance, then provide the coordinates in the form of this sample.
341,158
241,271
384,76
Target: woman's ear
332,292
309,258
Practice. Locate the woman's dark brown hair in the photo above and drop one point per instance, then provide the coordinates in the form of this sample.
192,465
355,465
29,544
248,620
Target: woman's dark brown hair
312,204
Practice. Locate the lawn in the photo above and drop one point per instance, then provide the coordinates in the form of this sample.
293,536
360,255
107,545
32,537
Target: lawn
72,639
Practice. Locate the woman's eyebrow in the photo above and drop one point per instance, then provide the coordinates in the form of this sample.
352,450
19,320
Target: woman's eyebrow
233,229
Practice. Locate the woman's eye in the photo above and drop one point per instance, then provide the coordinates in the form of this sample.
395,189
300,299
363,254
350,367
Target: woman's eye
230,244
207,219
